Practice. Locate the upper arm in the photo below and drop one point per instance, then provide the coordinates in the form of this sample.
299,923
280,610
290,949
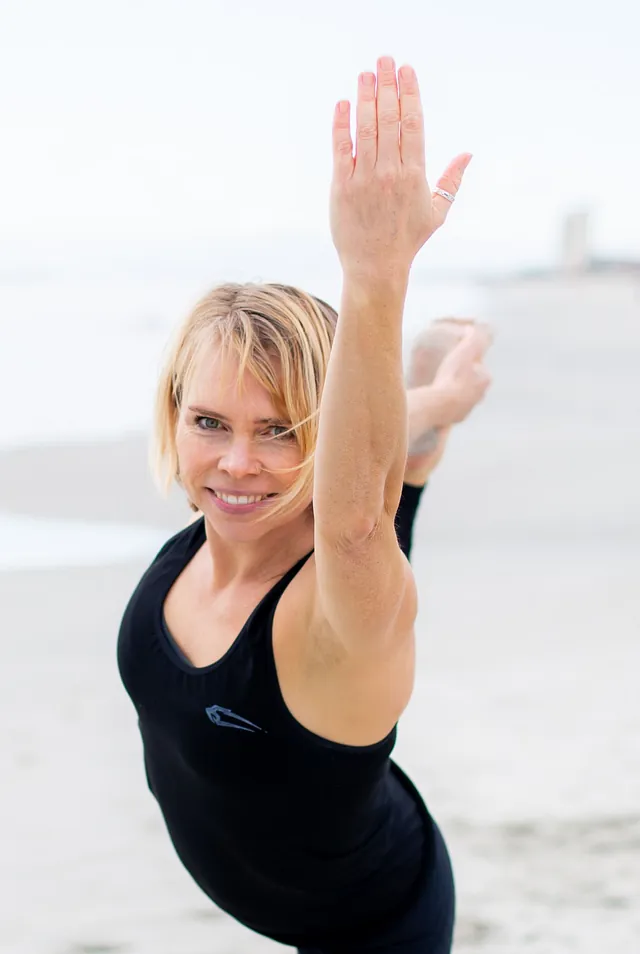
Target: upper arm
365,589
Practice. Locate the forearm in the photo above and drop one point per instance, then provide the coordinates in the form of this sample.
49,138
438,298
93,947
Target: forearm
362,433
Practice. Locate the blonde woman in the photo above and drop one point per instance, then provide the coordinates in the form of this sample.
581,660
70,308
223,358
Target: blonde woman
269,648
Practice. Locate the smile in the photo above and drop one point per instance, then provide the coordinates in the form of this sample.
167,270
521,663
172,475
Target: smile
232,499
241,501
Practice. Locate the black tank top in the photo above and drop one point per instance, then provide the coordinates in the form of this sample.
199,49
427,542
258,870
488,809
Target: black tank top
297,837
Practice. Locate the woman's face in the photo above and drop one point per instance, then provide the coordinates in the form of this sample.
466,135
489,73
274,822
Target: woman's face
230,441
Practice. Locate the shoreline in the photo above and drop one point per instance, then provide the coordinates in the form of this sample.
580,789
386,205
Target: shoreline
105,480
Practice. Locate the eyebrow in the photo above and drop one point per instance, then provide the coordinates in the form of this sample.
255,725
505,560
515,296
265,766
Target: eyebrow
205,412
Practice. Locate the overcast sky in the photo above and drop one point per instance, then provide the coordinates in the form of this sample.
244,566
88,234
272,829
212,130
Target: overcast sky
182,120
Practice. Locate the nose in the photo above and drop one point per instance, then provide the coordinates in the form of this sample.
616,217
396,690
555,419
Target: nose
239,458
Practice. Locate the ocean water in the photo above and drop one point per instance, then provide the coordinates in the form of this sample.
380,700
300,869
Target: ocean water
523,729
29,543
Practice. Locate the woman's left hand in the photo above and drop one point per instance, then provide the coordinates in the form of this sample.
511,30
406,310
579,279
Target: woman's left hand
382,209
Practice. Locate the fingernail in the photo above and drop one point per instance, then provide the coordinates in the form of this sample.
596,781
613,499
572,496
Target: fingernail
386,63
367,79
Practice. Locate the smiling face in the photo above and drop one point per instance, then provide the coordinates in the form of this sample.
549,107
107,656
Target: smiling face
235,456
245,362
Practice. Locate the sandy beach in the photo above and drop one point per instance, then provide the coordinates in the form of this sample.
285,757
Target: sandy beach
522,733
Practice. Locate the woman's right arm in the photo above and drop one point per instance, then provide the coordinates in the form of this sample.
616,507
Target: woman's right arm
382,212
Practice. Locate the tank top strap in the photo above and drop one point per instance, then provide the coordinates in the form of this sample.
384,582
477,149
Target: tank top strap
259,624
257,629
284,581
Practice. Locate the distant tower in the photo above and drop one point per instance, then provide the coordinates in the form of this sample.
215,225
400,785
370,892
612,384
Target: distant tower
575,243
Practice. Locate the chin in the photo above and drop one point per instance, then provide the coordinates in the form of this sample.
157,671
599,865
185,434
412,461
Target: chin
250,533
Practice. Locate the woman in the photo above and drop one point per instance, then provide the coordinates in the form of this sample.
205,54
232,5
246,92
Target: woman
268,649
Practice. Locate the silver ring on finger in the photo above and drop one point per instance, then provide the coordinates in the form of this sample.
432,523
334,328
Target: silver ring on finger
445,195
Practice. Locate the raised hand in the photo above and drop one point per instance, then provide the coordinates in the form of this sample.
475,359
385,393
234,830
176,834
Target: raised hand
382,209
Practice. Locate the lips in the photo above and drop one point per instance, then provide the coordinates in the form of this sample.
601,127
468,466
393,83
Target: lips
241,493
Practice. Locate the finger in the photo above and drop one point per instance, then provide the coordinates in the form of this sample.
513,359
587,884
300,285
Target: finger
412,143
480,328
484,377
449,182
469,349
366,124
487,335
342,142
478,342
461,324
388,115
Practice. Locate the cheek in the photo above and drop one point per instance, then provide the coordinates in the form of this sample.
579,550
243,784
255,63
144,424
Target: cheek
193,454
291,458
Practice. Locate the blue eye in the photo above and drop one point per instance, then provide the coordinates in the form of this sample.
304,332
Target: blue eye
273,432
283,432
198,421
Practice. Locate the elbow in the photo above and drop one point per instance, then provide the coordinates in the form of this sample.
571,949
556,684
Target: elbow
354,519
350,534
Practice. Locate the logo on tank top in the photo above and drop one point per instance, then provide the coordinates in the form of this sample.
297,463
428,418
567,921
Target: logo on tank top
221,716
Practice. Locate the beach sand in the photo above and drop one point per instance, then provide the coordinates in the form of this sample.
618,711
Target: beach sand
522,733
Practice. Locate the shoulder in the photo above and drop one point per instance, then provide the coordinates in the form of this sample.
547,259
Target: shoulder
365,589
347,692
182,540
171,554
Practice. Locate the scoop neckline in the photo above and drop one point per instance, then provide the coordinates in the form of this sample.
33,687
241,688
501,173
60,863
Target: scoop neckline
167,641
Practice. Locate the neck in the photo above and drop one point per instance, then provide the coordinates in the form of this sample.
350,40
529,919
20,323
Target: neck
242,563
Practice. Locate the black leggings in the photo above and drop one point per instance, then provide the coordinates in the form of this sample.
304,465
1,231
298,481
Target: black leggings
426,928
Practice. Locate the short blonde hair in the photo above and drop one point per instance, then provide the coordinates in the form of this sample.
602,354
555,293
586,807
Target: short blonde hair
256,323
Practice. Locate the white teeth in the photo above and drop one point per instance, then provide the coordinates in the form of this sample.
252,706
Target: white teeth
232,499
